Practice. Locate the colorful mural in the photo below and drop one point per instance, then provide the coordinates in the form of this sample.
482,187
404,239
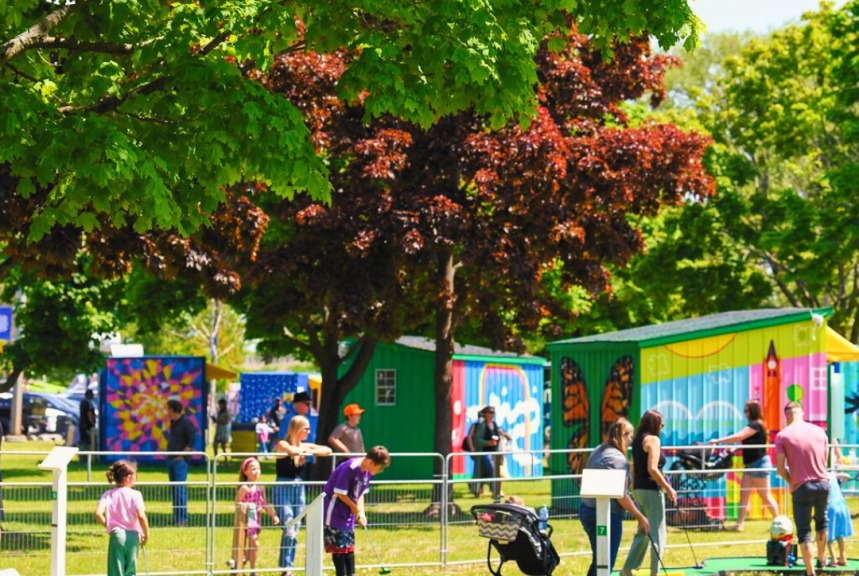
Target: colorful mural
616,400
134,399
701,386
516,393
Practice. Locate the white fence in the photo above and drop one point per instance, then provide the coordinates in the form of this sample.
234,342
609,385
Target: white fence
414,522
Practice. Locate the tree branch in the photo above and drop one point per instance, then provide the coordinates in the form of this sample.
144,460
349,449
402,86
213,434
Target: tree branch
82,46
36,32
294,339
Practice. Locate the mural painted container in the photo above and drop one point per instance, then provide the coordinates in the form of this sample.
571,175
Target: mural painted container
397,392
133,402
698,373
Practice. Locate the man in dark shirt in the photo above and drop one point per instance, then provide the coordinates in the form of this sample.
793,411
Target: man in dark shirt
87,421
183,436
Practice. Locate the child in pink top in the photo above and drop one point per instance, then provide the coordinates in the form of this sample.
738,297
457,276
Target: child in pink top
120,510
251,496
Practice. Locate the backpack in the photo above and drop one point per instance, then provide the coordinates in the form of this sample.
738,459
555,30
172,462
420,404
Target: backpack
465,446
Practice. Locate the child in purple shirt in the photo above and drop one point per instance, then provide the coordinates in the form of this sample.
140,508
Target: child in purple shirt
344,504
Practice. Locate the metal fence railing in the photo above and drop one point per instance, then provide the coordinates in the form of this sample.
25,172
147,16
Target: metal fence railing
421,521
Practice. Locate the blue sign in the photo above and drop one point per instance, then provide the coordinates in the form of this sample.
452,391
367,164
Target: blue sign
5,322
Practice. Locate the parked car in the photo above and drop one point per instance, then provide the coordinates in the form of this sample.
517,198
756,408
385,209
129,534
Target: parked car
43,413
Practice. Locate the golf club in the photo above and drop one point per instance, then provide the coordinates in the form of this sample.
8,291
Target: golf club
655,550
145,561
384,571
686,531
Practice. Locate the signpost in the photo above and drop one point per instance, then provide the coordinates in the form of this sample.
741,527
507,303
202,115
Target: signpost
315,546
604,485
58,462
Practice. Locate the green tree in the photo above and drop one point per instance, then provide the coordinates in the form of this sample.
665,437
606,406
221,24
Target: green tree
217,332
143,111
781,230
60,322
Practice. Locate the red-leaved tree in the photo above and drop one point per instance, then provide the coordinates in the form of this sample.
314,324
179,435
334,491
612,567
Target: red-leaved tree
462,222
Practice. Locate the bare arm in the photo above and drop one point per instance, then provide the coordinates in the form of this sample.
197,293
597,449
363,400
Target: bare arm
284,447
100,514
746,432
337,444
361,517
269,510
144,523
628,505
782,469
315,449
653,446
240,493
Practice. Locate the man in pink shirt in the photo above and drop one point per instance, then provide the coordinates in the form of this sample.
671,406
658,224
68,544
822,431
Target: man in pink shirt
803,448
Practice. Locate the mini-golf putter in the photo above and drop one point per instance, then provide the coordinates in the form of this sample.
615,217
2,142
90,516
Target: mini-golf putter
384,571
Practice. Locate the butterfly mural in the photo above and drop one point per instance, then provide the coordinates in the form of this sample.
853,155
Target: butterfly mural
616,399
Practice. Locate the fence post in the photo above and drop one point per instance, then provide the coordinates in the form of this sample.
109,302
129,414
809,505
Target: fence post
443,517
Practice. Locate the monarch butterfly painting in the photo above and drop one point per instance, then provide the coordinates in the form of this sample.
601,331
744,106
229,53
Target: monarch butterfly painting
618,393
574,392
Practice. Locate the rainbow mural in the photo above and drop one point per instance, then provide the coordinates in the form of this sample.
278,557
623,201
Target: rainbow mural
134,395
516,393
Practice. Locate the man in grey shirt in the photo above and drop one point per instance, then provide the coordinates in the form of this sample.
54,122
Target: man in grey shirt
183,436
347,437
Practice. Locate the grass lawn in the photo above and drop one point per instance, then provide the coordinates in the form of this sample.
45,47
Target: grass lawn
399,527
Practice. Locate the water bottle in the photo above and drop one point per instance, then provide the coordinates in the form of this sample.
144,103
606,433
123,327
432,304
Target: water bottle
543,516
791,560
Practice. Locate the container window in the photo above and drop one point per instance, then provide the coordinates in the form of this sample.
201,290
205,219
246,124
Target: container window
386,387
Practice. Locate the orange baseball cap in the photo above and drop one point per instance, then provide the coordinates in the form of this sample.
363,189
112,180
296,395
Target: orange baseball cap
352,409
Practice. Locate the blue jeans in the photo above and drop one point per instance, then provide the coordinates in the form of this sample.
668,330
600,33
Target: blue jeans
588,516
288,498
177,471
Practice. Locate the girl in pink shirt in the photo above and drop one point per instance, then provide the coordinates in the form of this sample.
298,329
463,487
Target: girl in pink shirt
120,510
251,497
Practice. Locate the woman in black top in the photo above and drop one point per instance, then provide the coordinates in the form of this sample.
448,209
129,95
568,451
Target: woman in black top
288,495
756,460
648,482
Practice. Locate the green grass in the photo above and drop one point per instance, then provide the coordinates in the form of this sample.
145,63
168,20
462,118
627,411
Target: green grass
398,526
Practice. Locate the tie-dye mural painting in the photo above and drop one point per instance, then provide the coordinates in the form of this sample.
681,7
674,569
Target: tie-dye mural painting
134,399
516,393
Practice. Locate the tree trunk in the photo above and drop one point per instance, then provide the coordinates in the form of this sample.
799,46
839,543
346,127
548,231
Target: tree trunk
334,389
11,378
444,343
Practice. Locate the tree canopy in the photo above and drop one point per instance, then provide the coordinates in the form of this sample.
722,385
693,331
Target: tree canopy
142,112
781,230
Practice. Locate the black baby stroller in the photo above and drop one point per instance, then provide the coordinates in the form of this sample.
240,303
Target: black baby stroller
514,531
704,465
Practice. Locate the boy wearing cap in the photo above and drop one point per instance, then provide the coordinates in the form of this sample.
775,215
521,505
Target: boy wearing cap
344,505
347,437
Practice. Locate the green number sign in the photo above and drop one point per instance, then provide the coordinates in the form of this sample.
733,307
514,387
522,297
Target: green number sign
602,531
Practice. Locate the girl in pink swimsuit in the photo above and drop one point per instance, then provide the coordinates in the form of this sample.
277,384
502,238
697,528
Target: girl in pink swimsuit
253,496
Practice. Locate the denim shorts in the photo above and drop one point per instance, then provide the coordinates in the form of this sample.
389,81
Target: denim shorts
760,468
